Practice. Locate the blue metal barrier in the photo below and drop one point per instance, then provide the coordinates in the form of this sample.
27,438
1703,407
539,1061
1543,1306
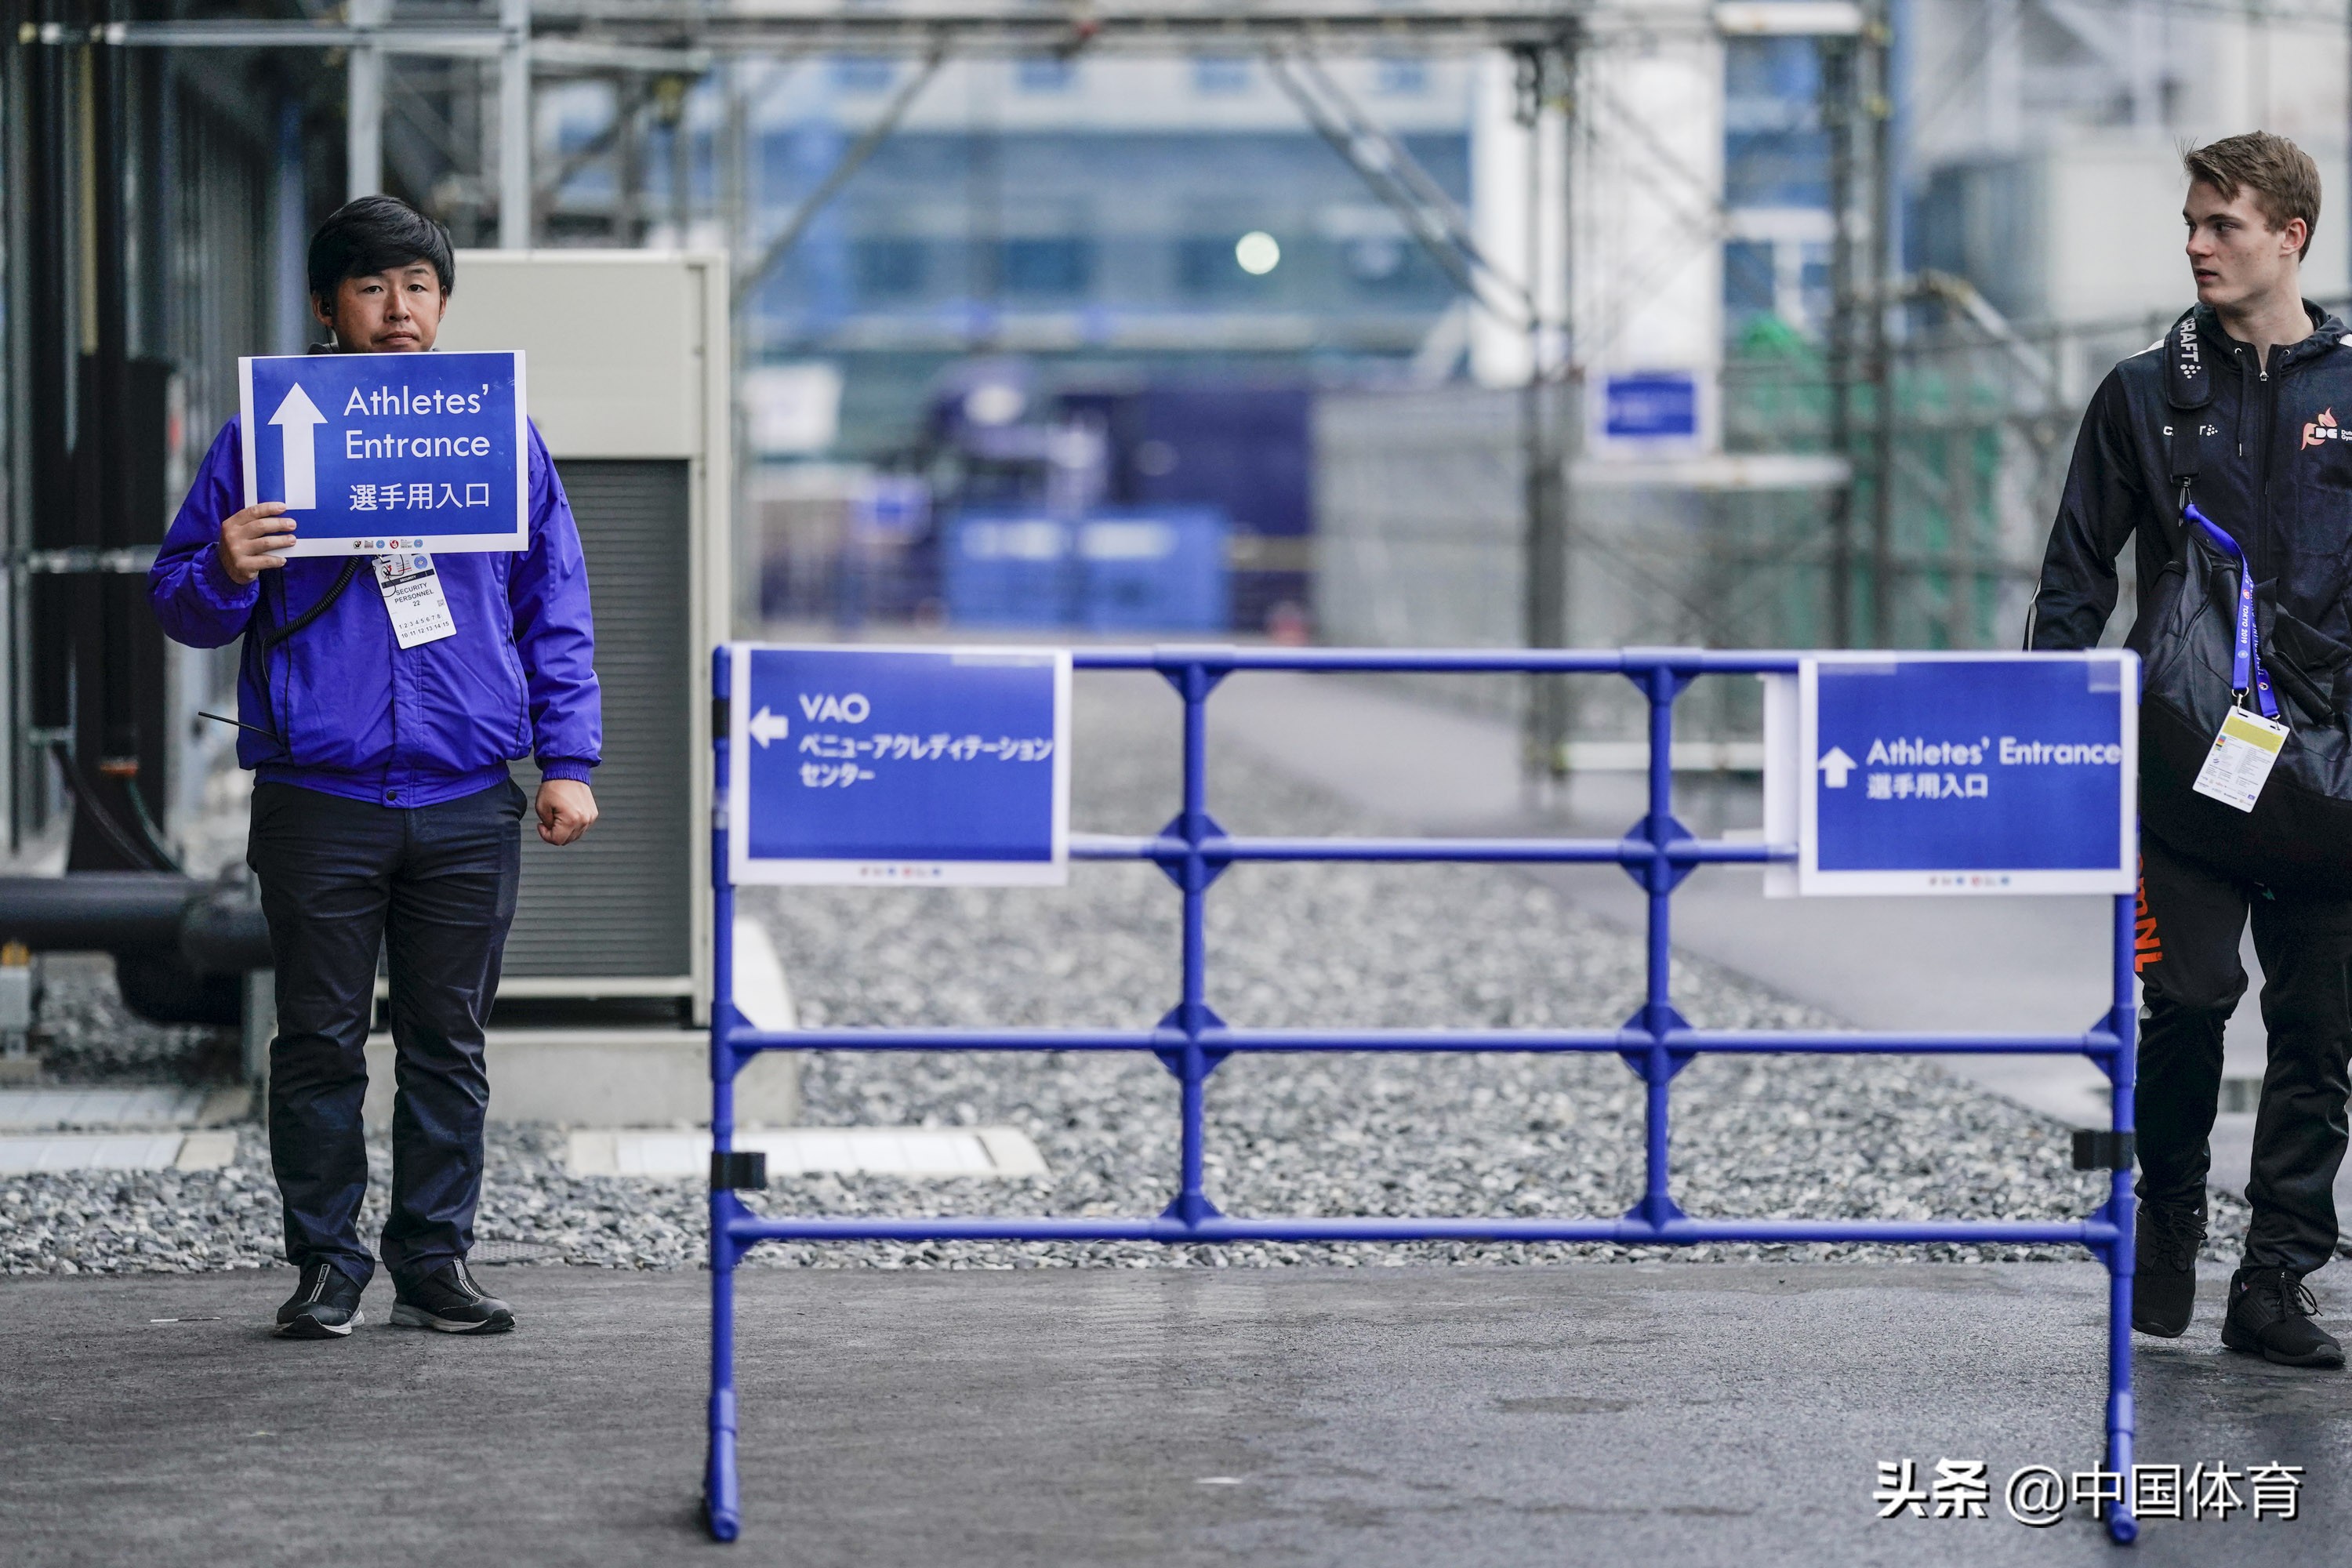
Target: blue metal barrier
1656,1042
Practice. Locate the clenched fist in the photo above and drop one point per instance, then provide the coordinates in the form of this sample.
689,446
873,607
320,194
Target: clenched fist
566,809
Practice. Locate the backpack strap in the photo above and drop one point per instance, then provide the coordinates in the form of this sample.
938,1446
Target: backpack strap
2188,391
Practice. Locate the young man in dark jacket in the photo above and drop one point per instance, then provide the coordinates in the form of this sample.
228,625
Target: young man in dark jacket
2269,468
383,815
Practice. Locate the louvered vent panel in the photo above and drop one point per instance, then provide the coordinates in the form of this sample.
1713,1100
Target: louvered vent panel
616,904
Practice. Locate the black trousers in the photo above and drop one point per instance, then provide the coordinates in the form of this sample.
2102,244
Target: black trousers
433,888
2190,918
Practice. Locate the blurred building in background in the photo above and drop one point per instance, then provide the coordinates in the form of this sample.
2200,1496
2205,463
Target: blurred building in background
1760,322
1059,285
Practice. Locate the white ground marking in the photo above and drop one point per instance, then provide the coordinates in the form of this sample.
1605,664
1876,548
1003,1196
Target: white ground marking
917,1151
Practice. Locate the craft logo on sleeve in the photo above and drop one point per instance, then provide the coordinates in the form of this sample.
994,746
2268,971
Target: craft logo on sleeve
389,452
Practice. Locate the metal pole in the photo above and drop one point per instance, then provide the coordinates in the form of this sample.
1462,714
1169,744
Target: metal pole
363,127
106,664
720,1512
1546,539
514,125
676,94
628,206
1657,1067
1193,825
2123,1021
1838,107
1878,272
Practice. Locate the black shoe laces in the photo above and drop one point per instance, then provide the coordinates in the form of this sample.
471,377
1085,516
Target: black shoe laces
2289,1294
2175,1235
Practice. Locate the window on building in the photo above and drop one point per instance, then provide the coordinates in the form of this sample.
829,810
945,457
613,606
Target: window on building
1814,283
1220,76
889,267
1776,149
1749,285
1047,266
1379,260
863,73
1045,73
1400,78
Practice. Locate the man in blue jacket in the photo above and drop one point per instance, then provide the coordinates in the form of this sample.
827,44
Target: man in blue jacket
383,815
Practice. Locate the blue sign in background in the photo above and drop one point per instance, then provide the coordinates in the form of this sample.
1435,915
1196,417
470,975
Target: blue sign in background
1651,406
1900,729
380,451
868,755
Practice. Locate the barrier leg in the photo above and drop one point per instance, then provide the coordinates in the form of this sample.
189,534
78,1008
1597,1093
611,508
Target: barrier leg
719,1508
2121,1525
719,1511
718,1498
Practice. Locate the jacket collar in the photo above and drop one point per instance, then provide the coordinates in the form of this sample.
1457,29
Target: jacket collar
2326,331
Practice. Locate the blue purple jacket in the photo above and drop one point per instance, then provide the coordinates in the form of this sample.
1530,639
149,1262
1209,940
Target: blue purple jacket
366,719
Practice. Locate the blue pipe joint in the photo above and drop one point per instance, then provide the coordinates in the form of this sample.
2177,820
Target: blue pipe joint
1191,865
1646,1032
727,1059
1643,854
1185,1024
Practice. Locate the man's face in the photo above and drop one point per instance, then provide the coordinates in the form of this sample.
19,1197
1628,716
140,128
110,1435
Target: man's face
2235,252
392,312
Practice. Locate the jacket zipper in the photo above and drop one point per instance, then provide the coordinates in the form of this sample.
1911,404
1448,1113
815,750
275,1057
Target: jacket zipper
2265,441
2267,412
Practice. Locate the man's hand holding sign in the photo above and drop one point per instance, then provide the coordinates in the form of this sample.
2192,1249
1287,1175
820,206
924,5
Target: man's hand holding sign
254,540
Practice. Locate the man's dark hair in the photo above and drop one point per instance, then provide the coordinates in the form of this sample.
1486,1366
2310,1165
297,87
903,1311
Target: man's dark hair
373,235
2281,176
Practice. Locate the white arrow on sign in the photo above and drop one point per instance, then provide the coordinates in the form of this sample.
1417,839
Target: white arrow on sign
297,420
1836,765
767,727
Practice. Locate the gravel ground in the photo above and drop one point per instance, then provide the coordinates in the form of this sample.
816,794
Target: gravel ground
86,1035
1500,1135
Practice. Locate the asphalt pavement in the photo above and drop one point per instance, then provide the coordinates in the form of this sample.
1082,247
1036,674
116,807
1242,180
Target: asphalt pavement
1700,1413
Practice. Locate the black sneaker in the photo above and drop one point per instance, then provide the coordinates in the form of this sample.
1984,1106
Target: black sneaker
449,1300
2165,1244
325,1306
2270,1316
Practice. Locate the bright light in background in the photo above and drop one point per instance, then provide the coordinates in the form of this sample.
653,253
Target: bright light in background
1257,253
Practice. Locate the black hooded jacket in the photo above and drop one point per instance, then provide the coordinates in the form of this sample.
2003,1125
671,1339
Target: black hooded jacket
2273,464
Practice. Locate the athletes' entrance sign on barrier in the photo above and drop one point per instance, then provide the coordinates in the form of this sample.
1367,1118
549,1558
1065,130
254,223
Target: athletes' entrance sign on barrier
909,766
1954,772
1971,703
373,453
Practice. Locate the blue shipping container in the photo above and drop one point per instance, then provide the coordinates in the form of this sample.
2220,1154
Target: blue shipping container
1009,568
1154,569
1119,569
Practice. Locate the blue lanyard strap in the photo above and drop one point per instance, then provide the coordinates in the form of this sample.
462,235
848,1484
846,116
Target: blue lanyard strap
2246,672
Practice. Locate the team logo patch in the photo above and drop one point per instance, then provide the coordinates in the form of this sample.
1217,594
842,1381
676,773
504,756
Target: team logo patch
2323,428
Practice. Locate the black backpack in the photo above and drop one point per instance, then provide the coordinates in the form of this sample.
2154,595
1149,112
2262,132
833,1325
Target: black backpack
2298,838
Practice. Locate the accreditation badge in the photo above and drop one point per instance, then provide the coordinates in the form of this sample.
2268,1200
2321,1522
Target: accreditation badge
2241,761
413,597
